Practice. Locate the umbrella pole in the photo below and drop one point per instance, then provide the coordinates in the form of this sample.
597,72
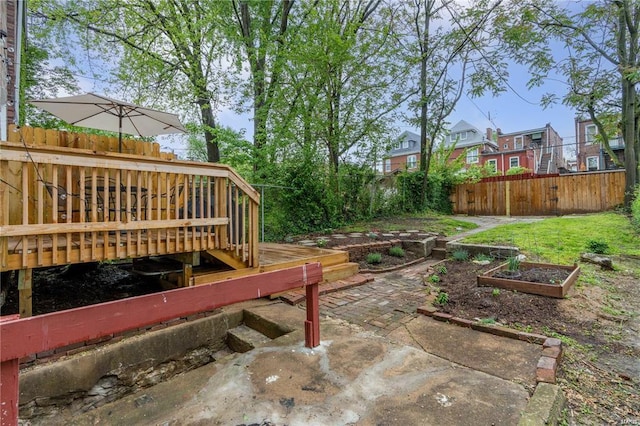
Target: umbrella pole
120,130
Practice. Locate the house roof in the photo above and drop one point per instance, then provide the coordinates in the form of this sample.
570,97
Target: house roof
413,145
466,135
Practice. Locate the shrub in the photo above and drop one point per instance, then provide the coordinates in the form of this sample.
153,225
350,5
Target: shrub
374,258
442,270
442,298
597,246
434,279
517,171
396,252
322,242
495,292
460,255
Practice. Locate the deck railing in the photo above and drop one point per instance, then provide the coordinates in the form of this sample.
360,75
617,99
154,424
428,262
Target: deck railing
60,206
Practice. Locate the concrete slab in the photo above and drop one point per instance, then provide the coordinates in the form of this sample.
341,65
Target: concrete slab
508,359
352,377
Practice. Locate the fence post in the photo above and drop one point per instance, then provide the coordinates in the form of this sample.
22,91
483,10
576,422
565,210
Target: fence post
507,195
312,324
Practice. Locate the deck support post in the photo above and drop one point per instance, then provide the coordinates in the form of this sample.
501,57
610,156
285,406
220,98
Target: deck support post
312,324
9,386
25,280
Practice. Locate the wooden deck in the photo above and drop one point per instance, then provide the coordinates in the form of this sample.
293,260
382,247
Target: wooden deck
335,263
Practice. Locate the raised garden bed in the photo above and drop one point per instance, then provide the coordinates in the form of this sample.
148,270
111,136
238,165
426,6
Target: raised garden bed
543,279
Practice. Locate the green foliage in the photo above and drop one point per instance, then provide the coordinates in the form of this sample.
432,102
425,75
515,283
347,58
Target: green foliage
482,257
322,242
374,258
475,172
635,210
543,238
442,298
396,252
487,321
517,171
495,292
597,246
460,255
442,270
513,263
434,278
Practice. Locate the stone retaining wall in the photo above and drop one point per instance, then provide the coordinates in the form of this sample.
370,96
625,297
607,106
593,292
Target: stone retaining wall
135,360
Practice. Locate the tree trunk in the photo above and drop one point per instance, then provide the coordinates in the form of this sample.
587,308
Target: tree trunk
213,151
425,146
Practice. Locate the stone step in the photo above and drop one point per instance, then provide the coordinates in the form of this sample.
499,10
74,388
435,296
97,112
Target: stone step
441,243
439,253
339,272
243,339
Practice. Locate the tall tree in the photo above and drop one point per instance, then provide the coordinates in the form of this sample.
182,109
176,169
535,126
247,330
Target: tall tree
602,43
169,50
445,48
261,31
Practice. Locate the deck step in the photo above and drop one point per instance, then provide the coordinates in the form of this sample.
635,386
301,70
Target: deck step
441,243
339,272
439,253
243,339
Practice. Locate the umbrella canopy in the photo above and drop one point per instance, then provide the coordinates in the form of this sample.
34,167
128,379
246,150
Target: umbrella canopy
101,112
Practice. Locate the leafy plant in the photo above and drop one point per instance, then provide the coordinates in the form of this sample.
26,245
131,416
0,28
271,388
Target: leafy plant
442,270
495,292
372,235
598,246
396,252
434,278
489,320
513,263
483,257
322,242
374,258
442,298
460,255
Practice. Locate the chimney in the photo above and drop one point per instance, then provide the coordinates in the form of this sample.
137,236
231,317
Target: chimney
499,131
490,134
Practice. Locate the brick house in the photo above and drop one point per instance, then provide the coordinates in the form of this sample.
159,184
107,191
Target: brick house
590,154
12,24
539,150
405,155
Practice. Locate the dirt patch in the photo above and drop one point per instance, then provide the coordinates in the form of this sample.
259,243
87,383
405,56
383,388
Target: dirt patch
535,275
386,261
67,287
597,321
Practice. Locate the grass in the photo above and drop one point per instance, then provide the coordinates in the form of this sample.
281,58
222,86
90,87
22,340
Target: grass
431,222
562,239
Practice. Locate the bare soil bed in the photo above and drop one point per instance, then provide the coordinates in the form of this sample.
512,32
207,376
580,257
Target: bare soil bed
598,322
536,275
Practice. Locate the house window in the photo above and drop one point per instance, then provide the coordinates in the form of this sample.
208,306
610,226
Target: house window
591,131
412,162
404,144
514,162
506,146
492,165
462,136
387,165
472,156
593,163
518,142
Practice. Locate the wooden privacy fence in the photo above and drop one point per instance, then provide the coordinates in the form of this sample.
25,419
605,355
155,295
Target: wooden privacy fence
540,196
60,206
98,143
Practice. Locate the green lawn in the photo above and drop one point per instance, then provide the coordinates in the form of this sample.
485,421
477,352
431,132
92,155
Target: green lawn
424,222
562,239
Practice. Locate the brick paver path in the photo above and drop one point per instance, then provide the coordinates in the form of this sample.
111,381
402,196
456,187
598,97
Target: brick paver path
383,305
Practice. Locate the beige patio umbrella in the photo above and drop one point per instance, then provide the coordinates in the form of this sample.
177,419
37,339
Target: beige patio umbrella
100,112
